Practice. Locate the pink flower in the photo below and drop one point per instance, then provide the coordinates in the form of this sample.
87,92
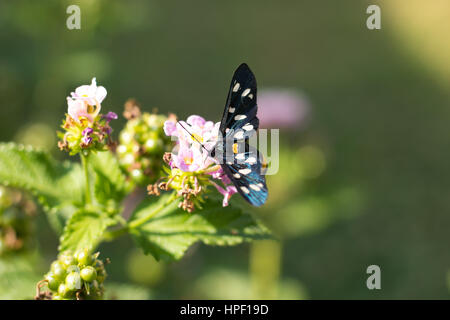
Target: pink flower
188,159
196,121
227,192
87,139
193,137
77,109
230,190
92,94
86,101
195,133
170,128
202,131
200,124
110,116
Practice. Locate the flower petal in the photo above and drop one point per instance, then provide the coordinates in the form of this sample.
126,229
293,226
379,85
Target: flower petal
76,109
195,120
170,128
100,94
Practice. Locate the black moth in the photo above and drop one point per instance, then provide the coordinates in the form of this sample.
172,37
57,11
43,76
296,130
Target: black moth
243,164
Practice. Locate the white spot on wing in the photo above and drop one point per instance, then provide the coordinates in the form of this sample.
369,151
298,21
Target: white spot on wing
251,160
231,110
245,189
250,95
236,87
255,187
245,171
240,117
237,175
246,92
248,127
239,135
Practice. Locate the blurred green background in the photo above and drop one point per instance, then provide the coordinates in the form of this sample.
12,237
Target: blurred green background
365,182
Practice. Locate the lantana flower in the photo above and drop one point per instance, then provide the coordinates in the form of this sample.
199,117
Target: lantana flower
86,101
92,94
85,128
191,168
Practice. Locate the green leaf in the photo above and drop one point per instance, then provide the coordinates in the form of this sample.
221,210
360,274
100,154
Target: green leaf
126,291
110,182
84,230
172,231
18,276
57,185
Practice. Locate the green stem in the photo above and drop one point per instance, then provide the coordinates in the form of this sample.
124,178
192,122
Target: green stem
265,266
84,163
209,170
111,235
141,221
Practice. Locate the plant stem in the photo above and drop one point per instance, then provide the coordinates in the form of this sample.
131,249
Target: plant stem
141,221
210,169
111,235
84,163
265,265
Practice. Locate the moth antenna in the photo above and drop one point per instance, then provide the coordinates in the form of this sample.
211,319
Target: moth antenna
192,136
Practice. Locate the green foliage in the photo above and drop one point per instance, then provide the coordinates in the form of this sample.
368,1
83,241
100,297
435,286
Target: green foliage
111,185
16,221
84,230
172,231
125,291
18,276
158,225
58,186
235,284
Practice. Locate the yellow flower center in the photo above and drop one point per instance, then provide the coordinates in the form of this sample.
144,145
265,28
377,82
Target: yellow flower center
197,137
188,160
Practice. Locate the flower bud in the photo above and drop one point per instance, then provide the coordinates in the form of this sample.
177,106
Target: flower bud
63,291
73,268
53,283
88,274
142,144
84,257
76,276
68,261
73,281
58,270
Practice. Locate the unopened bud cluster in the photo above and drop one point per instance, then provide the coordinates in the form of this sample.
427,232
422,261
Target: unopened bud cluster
76,276
86,135
142,144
